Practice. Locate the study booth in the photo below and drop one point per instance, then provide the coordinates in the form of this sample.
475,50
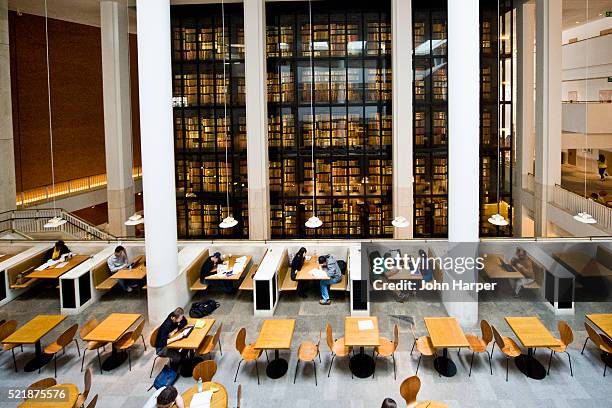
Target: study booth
16,261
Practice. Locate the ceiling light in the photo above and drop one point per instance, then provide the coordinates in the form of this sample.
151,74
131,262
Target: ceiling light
55,222
134,219
228,222
314,222
498,220
585,218
400,222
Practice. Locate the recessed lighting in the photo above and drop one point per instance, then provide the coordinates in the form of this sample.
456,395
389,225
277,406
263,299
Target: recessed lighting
577,22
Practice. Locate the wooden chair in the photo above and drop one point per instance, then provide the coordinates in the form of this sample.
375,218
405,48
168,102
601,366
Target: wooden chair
307,353
209,342
87,377
567,337
480,344
6,329
129,339
387,348
507,346
205,370
93,402
43,384
91,345
409,389
423,345
152,341
247,352
238,395
61,343
337,347
603,342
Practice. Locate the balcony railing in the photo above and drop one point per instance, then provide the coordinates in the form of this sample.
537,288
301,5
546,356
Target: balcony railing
574,203
45,193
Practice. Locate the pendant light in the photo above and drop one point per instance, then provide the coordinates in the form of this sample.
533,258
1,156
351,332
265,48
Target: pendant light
498,219
314,221
134,219
584,217
229,221
57,220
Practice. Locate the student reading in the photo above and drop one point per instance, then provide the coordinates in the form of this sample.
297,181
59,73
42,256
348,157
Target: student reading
169,332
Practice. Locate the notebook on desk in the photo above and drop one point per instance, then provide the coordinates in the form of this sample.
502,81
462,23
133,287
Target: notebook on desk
187,330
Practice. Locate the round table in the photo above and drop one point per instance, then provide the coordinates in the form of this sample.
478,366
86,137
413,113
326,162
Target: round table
68,402
218,400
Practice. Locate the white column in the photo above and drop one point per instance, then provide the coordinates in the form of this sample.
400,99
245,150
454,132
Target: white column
117,115
157,149
7,155
463,120
548,107
525,108
257,118
403,201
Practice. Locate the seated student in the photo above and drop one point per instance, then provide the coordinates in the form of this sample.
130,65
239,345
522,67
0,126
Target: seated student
523,264
207,270
167,333
389,403
296,265
329,264
425,267
165,397
57,251
118,261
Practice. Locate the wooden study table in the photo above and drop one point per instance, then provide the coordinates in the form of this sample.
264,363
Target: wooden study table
308,266
109,331
218,399
362,364
445,333
532,334
54,273
192,343
231,262
604,322
31,333
582,264
137,272
494,270
60,396
430,404
276,335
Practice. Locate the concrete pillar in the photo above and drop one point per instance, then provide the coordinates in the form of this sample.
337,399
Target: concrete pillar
525,108
117,115
403,201
157,150
257,118
548,107
463,150
7,152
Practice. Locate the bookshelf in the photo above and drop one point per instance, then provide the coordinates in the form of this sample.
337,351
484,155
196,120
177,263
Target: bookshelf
352,124
201,132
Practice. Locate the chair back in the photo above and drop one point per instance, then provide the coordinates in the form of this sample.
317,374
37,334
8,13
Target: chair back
395,337
238,395
487,333
138,331
87,377
66,337
93,402
319,340
217,335
7,329
409,389
329,336
153,337
606,343
205,370
498,339
565,331
241,340
87,328
593,335
43,384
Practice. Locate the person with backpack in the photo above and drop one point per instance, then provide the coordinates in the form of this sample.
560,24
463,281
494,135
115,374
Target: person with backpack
328,264
208,266
165,397
296,265
169,332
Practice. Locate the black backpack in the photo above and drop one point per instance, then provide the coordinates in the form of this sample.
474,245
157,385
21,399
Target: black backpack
202,309
342,266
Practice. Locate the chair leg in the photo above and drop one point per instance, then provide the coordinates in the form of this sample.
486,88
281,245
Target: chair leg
375,360
55,365
570,363
458,351
584,345
330,364
77,346
22,348
490,365
507,369
14,360
412,349
99,360
219,343
236,376
348,362
314,366
471,363
267,359
394,368
492,349
153,366
549,361
418,364
296,370
257,371
129,360
605,367
143,342
83,362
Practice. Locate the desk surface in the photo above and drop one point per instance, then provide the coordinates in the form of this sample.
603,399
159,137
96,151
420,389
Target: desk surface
445,332
582,264
355,337
603,321
113,327
232,261
304,273
35,329
218,399
531,332
275,334
55,273
195,338
66,401
494,270
139,271
430,404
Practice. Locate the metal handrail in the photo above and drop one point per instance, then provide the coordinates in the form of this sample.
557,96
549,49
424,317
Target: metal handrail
575,203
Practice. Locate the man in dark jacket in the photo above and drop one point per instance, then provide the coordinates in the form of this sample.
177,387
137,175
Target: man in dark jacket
167,333
207,270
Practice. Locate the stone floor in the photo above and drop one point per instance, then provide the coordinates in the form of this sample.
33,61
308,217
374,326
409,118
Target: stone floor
122,388
572,178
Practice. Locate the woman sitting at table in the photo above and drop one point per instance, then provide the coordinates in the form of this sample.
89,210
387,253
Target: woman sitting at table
296,265
165,397
209,268
118,261
169,332
57,251
523,264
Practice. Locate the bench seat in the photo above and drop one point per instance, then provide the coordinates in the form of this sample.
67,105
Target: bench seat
24,285
288,284
247,282
340,286
198,286
106,284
